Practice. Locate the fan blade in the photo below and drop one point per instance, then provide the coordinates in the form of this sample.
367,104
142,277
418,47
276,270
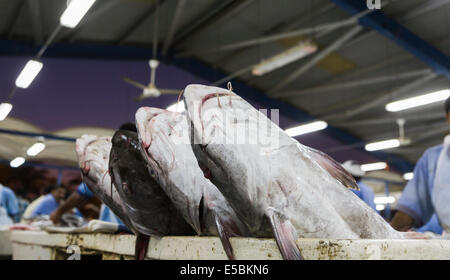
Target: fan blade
141,97
170,91
134,83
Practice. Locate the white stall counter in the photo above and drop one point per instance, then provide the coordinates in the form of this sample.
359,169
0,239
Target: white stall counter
43,245
5,244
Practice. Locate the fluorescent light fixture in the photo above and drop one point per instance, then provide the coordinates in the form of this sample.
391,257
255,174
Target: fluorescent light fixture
74,12
177,107
381,145
292,54
373,166
18,161
36,149
29,72
306,128
384,199
5,108
380,207
408,176
418,101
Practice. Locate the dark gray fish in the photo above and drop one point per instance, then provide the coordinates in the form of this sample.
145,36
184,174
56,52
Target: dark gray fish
146,204
164,137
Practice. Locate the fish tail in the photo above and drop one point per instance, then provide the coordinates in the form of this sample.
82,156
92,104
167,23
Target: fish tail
141,247
285,235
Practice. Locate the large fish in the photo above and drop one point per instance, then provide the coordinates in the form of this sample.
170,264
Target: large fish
165,139
93,157
276,185
146,204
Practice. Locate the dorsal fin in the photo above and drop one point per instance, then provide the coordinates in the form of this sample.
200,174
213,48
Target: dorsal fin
334,168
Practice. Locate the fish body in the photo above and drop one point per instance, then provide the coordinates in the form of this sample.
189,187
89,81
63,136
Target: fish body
147,205
165,140
93,157
276,185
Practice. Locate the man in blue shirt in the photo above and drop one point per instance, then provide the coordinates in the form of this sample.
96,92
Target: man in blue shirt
8,204
50,202
415,207
76,199
365,192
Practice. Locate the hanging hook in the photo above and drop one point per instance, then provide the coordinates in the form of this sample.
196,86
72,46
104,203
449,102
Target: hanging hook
230,89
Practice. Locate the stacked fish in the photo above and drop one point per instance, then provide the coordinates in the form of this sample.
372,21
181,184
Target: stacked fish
222,168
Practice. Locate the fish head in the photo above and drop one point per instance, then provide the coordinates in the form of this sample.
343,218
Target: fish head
144,122
93,156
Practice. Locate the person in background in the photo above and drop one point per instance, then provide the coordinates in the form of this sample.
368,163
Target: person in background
83,193
30,208
50,202
78,200
415,207
365,192
9,207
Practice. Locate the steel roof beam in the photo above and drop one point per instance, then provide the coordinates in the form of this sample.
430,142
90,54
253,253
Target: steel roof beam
98,12
425,7
136,24
218,13
14,18
174,25
36,26
318,57
392,120
406,39
357,83
385,98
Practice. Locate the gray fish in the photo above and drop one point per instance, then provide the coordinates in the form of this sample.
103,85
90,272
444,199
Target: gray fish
93,157
165,139
277,186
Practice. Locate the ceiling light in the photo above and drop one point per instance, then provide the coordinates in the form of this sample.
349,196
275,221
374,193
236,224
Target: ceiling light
36,149
408,176
384,199
74,12
177,107
5,108
373,166
381,145
18,161
29,72
418,101
292,54
306,128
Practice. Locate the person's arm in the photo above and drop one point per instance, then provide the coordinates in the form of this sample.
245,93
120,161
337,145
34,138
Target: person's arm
414,206
402,221
76,199
73,201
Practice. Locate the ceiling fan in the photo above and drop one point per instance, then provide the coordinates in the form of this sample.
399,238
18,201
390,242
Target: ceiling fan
150,90
401,127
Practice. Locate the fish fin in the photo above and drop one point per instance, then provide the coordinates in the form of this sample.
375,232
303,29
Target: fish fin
224,234
334,168
285,235
140,250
